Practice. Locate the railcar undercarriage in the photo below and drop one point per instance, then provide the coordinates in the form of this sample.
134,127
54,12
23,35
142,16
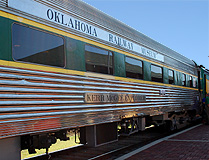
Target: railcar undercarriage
105,133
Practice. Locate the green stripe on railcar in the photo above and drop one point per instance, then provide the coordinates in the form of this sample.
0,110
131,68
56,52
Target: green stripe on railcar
75,58
165,75
147,71
5,40
119,65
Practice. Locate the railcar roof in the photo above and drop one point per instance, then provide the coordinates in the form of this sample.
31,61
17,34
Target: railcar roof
88,12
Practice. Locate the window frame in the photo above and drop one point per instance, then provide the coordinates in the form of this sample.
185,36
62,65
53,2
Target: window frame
44,31
194,82
142,75
108,66
169,76
190,81
183,79
156,77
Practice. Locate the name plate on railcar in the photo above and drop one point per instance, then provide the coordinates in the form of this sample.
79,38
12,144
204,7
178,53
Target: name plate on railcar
113,97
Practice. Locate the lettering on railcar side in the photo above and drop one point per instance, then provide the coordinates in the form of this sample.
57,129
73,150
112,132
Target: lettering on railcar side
71,22
113,97
149,53
120,42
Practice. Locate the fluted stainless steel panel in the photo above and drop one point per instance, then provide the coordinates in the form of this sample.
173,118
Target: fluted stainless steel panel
37,101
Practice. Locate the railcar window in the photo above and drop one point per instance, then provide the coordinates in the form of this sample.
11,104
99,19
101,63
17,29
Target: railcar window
35,46
134,68
194,83
156,73
183,80
190,81
171,76
98,60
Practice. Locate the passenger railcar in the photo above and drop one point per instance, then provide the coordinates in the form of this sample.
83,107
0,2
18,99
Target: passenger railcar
65,65
204,81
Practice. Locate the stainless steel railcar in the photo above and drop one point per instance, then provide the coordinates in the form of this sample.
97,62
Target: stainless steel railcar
66,65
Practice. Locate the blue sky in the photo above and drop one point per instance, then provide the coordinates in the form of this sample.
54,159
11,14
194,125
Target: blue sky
182,25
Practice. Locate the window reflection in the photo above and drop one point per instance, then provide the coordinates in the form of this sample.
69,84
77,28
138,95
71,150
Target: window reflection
183,80
194,83
156,73
190,81
171,76
31,45
98,60
134,68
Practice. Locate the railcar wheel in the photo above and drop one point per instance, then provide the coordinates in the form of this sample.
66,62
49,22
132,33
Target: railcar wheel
171,125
